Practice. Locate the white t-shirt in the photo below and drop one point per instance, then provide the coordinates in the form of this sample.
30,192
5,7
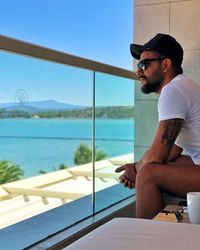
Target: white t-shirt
181,99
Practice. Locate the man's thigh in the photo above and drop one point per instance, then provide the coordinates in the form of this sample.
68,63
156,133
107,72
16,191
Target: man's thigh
177,179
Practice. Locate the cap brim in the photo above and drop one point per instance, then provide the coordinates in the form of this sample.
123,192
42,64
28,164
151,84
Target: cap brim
136,50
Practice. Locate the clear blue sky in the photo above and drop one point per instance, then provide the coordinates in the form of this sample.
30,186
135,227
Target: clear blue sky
96,29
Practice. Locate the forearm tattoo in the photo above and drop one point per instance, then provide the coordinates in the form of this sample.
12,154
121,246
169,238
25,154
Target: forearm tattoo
171,131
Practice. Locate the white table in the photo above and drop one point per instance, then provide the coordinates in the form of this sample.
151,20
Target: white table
140,234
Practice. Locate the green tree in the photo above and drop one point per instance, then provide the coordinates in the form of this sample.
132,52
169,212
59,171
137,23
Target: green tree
60,167
83,154
9,172
99,155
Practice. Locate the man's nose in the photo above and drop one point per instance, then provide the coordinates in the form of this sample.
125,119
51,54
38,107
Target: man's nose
139,72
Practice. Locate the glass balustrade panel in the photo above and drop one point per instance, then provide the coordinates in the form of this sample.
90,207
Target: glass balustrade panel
114,136
46,137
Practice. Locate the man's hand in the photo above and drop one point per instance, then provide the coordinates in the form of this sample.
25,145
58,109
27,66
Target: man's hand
128,177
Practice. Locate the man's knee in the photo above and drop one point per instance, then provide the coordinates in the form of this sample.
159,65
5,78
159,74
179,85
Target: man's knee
146,173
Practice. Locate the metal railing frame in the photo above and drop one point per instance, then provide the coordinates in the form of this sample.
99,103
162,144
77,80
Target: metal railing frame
28,49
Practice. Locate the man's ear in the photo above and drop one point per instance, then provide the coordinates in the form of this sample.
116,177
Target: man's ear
167,65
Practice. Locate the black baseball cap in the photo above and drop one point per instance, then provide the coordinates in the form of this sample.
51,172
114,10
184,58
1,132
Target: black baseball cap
164,44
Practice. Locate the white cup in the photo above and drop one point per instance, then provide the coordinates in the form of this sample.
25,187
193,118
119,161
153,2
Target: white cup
193,202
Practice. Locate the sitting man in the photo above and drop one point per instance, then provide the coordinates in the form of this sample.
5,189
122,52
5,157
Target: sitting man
172,163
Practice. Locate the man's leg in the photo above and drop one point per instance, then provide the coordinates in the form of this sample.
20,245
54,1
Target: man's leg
177,178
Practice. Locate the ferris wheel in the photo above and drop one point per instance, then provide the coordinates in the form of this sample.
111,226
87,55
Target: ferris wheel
21,97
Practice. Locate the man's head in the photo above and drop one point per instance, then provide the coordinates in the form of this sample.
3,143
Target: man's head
164,44
161,54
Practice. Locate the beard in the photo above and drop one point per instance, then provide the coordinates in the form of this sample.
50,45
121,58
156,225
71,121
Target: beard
152,85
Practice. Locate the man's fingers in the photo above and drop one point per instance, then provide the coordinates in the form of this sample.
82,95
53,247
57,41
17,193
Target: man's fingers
119,169
126,183
130,184
121,178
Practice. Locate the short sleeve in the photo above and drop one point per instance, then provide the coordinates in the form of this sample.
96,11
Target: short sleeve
172,103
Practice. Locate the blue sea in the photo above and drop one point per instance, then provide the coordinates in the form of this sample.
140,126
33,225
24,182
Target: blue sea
43,144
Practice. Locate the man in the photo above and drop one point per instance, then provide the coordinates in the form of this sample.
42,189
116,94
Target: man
172,163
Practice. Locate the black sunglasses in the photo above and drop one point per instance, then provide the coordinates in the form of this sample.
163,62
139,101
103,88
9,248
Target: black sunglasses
144,63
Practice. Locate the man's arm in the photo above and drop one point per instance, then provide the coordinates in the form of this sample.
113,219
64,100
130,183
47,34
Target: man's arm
163,148
175,153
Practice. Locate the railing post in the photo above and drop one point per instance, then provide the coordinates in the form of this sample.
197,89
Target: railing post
93,144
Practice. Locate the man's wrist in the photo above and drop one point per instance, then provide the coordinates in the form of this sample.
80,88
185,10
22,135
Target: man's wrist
134,166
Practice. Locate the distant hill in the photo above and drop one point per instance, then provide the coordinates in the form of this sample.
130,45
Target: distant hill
112,112
39,106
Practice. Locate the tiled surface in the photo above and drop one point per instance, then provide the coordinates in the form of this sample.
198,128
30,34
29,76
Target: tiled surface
185,23
148,21
191,64
181,20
